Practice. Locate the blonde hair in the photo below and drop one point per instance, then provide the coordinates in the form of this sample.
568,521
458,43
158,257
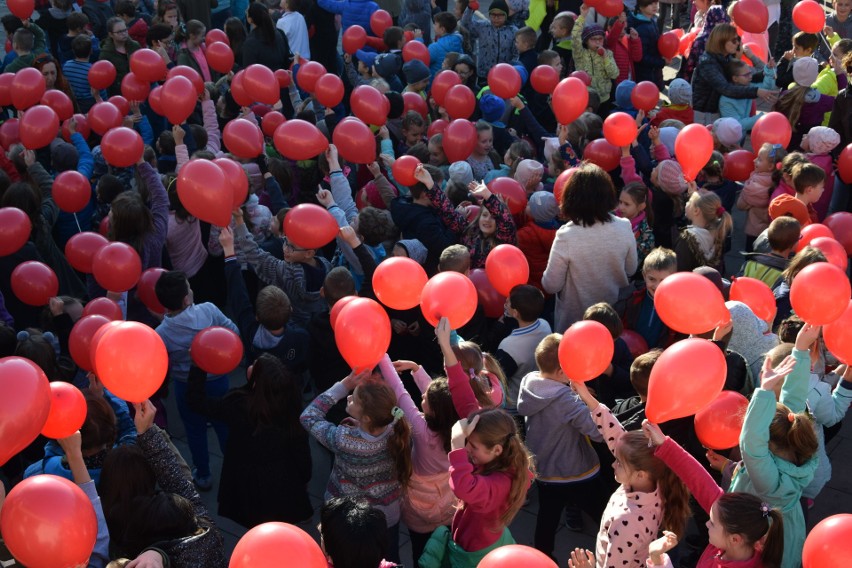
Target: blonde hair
547,353
719,221
791,103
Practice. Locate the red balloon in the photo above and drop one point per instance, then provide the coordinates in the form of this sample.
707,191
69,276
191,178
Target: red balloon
828,545
38,127
121,104
756,295
772,127
260,84
603,154
719,424
380,20
841,227
219,56
442,83
148,66
355,141
739,165
609,8
217,350
689,303
204,191
102,74
15,229
403,170
752,16
513,191
299,140
838,336
28,88
368,104
24,406
459,101
686,43
645,96
145,290
309,74
117,267
515,555
103,117
354,38
178,99
329,90
471,213
103,226
23,9
243,138
271,120
339,305
191,74
310,226
620,129
80,339
216,36
72,191
96,339
459,140
504,81
844,163
42,507
668,45
134,88
833,251
450,295
131,361
67,411
561,183
759,51
544,79
398,282
237,179
507,267
103,306
122,147
59,102
678,387
284,78
10,132
81,248
238,91
693,148
809,17
437,127
583,76
490,299
362,333
585,350
34,283
261,548
811,232
6,89
635,342
82,127
413,101
570,100
834,292
416,50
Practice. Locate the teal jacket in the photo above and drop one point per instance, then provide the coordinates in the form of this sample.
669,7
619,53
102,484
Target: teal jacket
777,481
442,552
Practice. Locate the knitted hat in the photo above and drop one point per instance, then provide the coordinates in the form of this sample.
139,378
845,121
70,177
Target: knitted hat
368,58
492,108
728,131
622,95
668,135
551,146
592,31
522,71
387,64
415,71
369,196
670,177
461,172
543,207
397,104
63,156
415,249
680,92
499,5
822,139
526,169
788,205
750,337
805,71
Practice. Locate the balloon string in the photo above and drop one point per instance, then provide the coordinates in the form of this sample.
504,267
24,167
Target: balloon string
78,223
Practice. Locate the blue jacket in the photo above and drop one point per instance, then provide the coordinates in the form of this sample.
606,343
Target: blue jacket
439,49
649,35
496,45
353,11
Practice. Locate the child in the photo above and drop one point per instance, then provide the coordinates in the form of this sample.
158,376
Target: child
27,42
413,129
416,77
804,45
447,40
191,52
352,534
783,235
527,55
839,22
496,38
755,195
360,71
182,321
76,70
77,26
640,314
727,134
614,383
741,74
491,471
742,528
560,30
702,242
714,181
626,47
784,177
535,238
803,105
515,353
492,109
633,205
137,28
644,21
591,56
372,450
292,23
809,180
650,496
818,144
680,108
557,426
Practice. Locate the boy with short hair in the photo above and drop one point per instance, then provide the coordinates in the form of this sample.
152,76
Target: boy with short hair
28,42
77,71
137,28
558,425
804,45
561,29
525,44
809,180
631,411
447,40
640,314
614,383
455,258
77,22
783,234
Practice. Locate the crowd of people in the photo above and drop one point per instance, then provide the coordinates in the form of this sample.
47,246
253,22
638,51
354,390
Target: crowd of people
452,429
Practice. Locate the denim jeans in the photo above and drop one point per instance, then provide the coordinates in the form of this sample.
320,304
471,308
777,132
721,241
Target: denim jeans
196,425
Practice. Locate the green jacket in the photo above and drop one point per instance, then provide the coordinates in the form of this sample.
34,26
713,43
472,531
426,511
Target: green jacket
121,61
442,552
601,68
28,60
826,83
762,473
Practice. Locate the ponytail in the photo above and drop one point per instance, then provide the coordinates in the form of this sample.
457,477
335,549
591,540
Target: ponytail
773,545
793,433
791,103
756,522
399,446
379,403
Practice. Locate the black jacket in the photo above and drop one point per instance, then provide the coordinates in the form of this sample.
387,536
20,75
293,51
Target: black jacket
709,83
275,55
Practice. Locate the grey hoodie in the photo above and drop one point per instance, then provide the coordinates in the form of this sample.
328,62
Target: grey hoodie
558,424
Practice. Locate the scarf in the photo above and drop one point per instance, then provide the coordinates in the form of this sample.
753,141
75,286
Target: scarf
636,221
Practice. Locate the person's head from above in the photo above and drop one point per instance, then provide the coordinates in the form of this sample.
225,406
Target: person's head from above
273,308
668,176
788,165
439,410
353,533
130,219
444,23
804,44
465,68
658,265
449,62
416,75
338,284
173,291
455,258
23,41
784,233
195,31
648,8
633,200
126,10
605,315
547,358
640,371
809,182
804,258
525,303
723,40
525,39
739,523
117,30
768,157
551,58
715,166
589,196
498,13
820,140
562,25
394,37
81,47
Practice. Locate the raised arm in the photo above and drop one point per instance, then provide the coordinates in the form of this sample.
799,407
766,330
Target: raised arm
459,381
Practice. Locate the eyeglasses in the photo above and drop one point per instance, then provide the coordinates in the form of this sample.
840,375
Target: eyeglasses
496,15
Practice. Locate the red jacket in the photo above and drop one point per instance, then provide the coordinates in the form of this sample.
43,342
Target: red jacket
535,242
683,113
625,50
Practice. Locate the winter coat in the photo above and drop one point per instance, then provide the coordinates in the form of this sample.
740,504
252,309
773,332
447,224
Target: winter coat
121,61
419,13
841,118
828,408
275,55
709,84
425,224
178,331
354,12
442,552
601,68
754,198
651,66
439,49
495,45
535,240
626,51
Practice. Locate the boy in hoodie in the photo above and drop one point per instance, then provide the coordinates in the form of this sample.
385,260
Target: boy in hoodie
182,321
496,37
447,40
557,425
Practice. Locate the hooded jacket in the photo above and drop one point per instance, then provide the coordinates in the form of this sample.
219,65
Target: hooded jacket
496,45
353,12
651,66
750,337
439,49
601,68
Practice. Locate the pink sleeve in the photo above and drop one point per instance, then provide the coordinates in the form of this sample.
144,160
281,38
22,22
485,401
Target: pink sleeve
403,400
463,398
211,125
181,155
496,389
421,378
608,425
628,170
699,482
484,492
661,153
